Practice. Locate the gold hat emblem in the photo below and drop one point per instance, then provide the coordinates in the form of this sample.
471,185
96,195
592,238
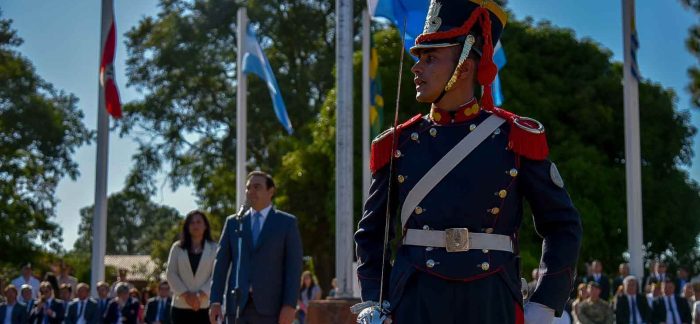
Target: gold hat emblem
433,21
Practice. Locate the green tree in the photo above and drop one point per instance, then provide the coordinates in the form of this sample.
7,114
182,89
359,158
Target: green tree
133,222
693,45
574,88
40,129
184,62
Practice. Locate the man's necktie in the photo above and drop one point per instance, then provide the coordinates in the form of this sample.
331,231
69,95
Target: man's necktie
47,306
256,227
161,310
673,309
633,309
81,311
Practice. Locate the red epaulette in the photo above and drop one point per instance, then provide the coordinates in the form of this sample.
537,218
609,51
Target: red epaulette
382,151
527,137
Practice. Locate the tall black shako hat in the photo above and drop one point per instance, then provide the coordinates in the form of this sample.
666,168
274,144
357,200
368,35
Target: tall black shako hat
453,22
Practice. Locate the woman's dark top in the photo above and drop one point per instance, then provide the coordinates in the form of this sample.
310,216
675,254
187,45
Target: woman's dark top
194,261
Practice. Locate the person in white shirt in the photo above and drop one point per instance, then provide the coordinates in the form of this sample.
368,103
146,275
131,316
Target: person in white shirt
83,310
27,279
122,277
66,278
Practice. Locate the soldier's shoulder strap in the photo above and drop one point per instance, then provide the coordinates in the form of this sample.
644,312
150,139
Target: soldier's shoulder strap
381,146
527,137
448,162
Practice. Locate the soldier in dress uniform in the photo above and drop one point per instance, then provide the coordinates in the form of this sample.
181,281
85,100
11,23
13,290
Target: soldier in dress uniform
457,182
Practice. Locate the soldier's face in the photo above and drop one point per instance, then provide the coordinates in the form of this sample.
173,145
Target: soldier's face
432,71
593,292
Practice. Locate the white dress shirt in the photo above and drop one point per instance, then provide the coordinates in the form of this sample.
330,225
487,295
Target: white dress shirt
264,212
34,282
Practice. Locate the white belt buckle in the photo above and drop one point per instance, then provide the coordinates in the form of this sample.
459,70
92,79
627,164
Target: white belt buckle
457,239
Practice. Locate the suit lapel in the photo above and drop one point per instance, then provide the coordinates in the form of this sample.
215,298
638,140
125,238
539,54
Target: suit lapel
247,231
268,227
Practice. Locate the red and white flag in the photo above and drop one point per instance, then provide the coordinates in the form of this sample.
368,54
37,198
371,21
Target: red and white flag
109,43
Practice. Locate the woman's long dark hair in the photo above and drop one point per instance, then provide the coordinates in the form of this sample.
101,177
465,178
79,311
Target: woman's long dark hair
186,237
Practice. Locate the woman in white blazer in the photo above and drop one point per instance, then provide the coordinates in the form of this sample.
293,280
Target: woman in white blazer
189,271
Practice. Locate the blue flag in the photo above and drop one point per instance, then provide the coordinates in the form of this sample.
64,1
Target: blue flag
255,62
413,11
499,58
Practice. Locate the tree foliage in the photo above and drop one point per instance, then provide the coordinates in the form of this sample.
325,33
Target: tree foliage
40,129
135,224
575,90
693,45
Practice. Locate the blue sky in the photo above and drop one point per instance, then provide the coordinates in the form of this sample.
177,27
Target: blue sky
61,38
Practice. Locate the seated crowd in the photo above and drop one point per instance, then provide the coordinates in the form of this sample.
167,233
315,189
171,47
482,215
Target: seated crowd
656,298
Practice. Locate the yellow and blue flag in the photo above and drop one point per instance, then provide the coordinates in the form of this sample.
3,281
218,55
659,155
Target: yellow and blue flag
376,101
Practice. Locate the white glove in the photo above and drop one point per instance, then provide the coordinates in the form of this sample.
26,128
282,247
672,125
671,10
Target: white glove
538,314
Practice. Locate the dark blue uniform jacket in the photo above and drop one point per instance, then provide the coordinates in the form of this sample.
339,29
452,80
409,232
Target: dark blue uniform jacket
484,193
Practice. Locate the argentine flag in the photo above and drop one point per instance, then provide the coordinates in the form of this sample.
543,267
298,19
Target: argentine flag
255,62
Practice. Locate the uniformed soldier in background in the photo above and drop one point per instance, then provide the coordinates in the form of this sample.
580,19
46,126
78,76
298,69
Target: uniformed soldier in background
595,310
456,184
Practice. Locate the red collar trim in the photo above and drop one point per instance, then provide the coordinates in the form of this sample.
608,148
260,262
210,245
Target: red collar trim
465,112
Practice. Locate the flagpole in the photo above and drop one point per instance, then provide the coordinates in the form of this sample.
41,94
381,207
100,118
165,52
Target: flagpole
99,222
632,150
366,21
343,149
241,109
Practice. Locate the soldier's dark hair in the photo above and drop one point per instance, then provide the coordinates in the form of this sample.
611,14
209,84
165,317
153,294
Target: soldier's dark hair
269,183
186,237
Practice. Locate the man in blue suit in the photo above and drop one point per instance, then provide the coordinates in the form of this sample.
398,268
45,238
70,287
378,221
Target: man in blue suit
265,288
48,310
12,310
